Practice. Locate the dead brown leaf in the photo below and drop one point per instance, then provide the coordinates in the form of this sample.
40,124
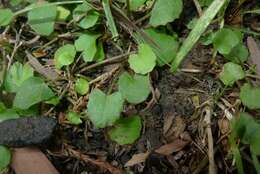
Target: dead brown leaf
167,123
254,53
31,161
137,159
223,125
47,72
39,53
176,129
175,145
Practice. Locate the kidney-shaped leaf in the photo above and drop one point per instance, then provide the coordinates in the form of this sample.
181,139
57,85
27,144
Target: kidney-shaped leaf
81,10
81,86
134,89
167,43
90,20
126,130
238,54
87,44
17,74
5,157
64,55
231,72
225,40
104,110
144,61
165,11
32,91
250,96
6,16
42,18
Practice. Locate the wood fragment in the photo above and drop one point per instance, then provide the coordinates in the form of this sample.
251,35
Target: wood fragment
31,161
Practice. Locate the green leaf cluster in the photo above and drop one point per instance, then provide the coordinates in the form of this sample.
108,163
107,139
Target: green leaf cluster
85,16
229,43
247,130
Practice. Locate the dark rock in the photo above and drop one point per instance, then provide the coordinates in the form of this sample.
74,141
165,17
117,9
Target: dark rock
26,131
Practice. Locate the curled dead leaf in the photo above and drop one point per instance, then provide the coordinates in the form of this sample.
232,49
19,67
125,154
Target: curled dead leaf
223,125
137,159
174,146
176,129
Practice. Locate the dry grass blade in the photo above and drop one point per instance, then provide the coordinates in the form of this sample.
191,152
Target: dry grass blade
49,73
196,32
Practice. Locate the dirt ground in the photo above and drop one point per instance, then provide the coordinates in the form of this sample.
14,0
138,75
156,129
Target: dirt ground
177,116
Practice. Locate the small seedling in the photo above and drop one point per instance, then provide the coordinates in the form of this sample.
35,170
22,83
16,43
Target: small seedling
104,110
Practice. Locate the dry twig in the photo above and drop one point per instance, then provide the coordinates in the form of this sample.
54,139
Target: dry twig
207,119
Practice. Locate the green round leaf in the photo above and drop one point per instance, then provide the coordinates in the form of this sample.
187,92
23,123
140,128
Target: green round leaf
6,16
165,11
87,44
8,114
104,110
90,20
32,91
250,96
42,18
53,101
134,89
144,61
5,157
167,43
126,130
231,73
238,54
74,118
225,40
136,4
63,13
81,10
17,74
64,55
82,86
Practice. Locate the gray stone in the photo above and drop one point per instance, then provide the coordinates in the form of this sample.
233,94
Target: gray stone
26,131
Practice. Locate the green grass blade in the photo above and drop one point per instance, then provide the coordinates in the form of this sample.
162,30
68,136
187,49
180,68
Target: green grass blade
196,32
110,19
